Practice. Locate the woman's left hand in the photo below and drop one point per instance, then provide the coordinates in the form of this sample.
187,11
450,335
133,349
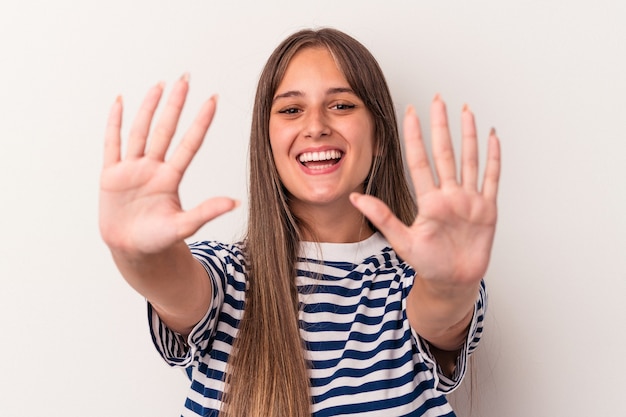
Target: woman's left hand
449,243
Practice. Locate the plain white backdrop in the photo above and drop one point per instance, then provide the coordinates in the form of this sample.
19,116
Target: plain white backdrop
549,75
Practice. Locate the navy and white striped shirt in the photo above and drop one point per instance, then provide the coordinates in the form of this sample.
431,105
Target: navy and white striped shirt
365,358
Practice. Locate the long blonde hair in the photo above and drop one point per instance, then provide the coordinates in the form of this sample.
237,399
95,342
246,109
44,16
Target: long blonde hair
267,371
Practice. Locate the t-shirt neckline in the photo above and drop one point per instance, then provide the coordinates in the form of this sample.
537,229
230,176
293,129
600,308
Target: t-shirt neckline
344,252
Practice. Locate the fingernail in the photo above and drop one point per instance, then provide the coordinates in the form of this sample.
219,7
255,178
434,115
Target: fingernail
185,77
119,99
410,109
437,97
466,107
161,85
492,132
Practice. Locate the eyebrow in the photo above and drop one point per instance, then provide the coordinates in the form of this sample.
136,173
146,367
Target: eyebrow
297,93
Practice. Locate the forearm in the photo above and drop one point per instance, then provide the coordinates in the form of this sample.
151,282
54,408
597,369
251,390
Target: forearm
442,315
174,283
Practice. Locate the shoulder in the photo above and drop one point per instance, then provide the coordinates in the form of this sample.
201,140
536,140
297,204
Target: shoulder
224,262
230,252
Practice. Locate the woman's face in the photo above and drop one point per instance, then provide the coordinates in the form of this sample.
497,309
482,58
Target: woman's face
321,133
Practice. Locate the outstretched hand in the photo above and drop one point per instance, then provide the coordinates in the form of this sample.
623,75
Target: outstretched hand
449,243
140,209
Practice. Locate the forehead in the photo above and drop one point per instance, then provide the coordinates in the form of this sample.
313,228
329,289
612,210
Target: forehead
312,65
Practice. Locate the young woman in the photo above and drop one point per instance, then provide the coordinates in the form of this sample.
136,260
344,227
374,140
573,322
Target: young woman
341,299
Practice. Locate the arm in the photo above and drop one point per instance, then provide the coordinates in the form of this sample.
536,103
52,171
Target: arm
141,219
449,243
172,281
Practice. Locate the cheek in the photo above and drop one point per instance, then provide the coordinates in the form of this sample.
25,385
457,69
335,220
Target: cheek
272,133
279,137
368,143
275,142
280,153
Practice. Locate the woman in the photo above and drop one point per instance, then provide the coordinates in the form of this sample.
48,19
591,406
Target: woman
339,300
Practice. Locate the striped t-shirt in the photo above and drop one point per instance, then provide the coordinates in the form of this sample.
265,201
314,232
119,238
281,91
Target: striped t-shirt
365,360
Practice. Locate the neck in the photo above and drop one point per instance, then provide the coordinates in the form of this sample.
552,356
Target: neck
339,223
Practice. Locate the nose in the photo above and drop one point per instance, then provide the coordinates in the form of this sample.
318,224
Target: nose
316,124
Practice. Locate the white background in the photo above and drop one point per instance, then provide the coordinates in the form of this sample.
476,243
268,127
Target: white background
549,75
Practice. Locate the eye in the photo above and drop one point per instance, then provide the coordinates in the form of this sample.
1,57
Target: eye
290,110
343,106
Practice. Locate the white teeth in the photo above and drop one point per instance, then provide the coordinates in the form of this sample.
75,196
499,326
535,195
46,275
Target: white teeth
321,167
319,156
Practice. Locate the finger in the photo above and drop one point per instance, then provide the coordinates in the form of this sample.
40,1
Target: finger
443,153
166,125
141,125
190,221
492,168
112,139
194,137
469,153
396,232
416,156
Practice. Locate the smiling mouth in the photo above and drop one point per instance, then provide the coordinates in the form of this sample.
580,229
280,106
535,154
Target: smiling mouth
320,160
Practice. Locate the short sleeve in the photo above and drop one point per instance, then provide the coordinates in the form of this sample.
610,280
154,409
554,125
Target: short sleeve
444,383
173,347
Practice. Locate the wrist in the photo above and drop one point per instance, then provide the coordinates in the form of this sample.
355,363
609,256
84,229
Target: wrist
446,292
442,314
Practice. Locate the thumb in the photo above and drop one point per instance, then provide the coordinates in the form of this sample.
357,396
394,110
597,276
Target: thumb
191,220
396,232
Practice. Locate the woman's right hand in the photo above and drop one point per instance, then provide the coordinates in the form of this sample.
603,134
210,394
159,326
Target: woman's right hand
140,209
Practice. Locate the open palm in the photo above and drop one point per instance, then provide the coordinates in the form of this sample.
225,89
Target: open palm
140,210
450,241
